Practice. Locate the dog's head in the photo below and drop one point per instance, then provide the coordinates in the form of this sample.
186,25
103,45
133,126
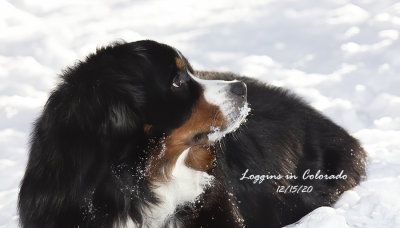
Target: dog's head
182,111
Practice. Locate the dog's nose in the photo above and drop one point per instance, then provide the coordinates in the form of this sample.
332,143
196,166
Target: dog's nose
238,88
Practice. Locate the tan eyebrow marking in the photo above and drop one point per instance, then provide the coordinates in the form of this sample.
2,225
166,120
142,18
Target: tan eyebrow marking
180,63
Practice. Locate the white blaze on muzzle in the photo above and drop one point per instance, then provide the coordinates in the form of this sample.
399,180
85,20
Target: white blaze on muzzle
218,93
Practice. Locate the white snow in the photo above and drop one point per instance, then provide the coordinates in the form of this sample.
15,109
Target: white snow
342,56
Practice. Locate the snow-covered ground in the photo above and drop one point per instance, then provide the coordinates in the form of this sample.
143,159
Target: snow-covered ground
340,55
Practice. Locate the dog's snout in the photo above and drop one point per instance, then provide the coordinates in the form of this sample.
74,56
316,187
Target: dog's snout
238,88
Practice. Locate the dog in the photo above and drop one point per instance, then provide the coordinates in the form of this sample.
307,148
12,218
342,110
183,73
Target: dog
134,137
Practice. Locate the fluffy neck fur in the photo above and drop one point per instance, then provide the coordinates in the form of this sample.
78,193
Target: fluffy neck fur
184,186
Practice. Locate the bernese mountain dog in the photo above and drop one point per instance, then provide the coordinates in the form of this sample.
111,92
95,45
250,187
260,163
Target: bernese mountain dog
134,137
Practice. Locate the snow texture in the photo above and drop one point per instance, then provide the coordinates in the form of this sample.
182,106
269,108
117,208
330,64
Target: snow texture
340,55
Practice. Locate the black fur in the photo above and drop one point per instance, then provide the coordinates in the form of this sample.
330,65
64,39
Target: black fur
284,135
89,149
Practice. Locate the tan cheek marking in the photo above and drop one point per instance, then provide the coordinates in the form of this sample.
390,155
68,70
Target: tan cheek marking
180,63
200,157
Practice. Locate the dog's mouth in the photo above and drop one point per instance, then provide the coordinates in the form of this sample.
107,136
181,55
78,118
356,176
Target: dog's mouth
229,99
234,120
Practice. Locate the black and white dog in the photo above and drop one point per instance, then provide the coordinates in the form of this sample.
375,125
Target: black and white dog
134,137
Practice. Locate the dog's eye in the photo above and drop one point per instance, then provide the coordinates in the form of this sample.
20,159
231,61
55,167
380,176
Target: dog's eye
177,81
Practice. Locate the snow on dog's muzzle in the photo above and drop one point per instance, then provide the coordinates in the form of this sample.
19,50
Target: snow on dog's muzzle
231,98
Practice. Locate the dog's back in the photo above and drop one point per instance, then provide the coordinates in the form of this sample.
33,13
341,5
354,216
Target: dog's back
283,135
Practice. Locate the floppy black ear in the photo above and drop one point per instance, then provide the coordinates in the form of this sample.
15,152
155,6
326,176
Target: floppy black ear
90,125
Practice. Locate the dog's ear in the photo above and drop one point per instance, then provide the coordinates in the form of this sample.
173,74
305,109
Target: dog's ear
86,128
122,129
123,112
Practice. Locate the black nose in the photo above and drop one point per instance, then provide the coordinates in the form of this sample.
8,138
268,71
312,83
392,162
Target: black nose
239,88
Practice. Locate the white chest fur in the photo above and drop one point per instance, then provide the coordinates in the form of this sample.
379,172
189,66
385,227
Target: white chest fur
185,186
